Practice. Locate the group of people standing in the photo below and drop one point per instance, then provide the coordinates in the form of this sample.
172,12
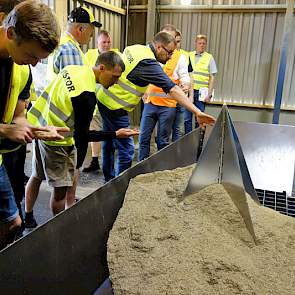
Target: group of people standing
192,71
85,93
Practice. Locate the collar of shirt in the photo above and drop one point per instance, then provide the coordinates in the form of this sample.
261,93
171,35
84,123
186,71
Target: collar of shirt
152,48
72,37
199,54
154,52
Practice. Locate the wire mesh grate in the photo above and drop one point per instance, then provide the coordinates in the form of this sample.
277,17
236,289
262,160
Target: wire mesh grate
278,201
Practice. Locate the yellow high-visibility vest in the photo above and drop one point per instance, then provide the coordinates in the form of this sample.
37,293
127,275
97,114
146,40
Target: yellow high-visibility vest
63,40
54,106
200,69
19,78
126,95
92,55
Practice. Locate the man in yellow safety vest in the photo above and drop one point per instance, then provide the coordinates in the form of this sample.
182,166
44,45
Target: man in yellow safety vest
69,101
141,69
203,69
29,33
104,44
80,29
159,108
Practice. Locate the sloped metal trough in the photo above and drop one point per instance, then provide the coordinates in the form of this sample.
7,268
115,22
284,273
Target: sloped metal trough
67,255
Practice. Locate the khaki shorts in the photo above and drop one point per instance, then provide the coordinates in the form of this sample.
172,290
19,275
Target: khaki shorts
96,122
56,164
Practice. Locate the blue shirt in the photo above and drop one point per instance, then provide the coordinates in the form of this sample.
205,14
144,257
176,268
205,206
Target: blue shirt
149,71
65,55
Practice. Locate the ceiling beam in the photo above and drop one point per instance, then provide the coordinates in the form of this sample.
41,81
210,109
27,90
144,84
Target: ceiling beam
214,8
107,6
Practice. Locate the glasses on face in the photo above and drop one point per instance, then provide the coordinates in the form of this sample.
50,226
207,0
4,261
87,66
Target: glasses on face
169,52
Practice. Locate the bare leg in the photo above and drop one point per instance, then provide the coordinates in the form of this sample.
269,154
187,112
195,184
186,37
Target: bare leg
94,164
71,191
32,191
95,149
58,198
8,231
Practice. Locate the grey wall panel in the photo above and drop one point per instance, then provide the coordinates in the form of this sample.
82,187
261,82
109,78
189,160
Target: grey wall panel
246,47
289,86
224,2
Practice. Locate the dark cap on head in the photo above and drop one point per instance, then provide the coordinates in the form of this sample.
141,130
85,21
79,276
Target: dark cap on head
83,15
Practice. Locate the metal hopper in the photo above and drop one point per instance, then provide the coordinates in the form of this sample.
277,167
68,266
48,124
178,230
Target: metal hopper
222,161
67,255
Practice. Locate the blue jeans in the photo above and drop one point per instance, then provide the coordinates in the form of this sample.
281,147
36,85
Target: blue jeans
177,131
188,116
8,208
150,116
112,121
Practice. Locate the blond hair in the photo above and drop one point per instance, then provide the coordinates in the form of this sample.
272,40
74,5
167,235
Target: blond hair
103,33
201,37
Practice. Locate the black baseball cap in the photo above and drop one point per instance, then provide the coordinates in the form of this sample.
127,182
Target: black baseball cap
83,15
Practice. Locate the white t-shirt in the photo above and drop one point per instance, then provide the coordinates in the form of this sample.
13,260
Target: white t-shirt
181,71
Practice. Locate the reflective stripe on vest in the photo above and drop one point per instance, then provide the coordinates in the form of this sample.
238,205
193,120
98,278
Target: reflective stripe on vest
51,75
114,97
156,95
54,106
201,69
130,89
69,120
126,95
19,77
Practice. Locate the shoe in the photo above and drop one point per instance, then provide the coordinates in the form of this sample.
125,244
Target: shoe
19,232
94,166
30,221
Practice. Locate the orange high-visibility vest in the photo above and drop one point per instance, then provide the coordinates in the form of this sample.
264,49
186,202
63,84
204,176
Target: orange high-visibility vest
156,95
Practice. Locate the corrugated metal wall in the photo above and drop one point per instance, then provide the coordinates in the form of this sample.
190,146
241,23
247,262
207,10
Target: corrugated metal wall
245,37
110,20
245,42
246,46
